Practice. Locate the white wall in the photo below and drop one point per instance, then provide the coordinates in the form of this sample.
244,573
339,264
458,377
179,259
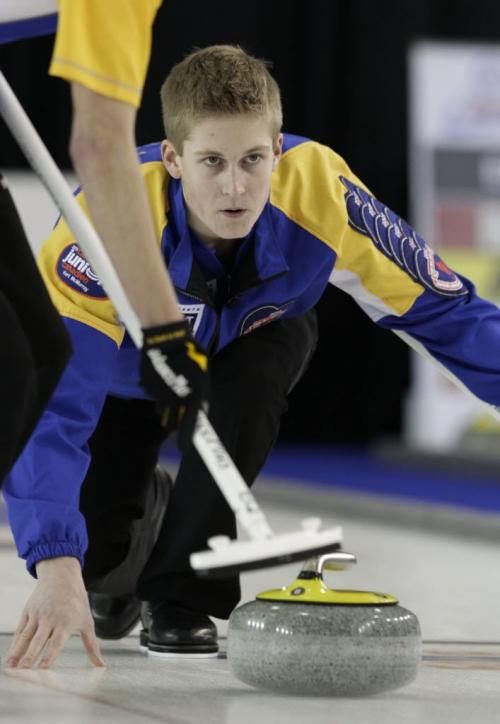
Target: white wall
37,210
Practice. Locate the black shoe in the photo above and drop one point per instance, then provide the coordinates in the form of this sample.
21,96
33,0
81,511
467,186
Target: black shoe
114,616
171,630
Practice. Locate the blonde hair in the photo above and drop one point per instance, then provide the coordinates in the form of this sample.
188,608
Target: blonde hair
218,80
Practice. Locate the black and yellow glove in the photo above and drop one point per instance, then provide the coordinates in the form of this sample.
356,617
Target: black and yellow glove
174,371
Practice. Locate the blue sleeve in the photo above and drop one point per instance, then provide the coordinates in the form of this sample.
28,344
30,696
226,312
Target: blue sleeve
42,492
405,286
461,333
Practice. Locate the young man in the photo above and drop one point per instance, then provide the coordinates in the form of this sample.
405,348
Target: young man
252,225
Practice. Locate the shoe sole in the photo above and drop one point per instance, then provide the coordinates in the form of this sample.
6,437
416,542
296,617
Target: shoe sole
200,651
181,654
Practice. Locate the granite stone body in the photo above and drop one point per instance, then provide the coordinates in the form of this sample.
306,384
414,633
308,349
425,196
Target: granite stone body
324,650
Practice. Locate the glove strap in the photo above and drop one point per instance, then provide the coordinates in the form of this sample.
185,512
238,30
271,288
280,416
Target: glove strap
166,334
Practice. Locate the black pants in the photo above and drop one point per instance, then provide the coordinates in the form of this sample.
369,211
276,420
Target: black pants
34,347
250,380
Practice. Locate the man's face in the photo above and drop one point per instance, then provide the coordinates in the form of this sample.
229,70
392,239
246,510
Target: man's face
225,167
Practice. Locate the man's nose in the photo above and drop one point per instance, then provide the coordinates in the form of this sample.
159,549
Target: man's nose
233,182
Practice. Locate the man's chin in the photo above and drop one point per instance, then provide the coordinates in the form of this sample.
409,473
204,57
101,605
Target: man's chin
234,231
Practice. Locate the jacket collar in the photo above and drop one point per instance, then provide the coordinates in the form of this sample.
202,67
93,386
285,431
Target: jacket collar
259,259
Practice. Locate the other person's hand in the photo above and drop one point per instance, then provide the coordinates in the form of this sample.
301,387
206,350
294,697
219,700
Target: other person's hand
174,371
57,608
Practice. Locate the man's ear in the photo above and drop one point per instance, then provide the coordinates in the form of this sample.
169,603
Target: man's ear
277,149
171,159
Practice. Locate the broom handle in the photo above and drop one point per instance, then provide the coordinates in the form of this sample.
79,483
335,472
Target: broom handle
205,439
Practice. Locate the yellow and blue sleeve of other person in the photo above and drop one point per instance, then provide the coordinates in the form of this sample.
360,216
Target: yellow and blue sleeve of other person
104,45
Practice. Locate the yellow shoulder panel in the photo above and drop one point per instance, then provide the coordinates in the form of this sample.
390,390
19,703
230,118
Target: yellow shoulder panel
74,288
105,45
307,188
156,179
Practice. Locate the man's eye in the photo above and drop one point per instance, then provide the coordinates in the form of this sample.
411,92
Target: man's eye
211,161
253,158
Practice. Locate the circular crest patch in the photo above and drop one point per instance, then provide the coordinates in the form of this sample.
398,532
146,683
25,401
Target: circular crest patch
75,271
261,316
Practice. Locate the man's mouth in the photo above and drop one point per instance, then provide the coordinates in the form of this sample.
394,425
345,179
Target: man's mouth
233,213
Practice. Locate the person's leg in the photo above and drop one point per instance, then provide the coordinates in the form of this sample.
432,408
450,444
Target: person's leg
116,495
123,499
250,381
35,344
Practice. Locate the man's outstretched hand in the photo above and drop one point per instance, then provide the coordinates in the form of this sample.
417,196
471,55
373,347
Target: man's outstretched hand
174,371
57,609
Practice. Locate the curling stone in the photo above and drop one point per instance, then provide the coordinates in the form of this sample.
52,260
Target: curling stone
307,639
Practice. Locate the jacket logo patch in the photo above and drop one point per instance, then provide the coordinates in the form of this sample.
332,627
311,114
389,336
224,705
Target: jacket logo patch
395,238
193,314
261,316
75,271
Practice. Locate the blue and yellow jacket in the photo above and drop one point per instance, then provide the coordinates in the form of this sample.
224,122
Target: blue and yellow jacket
320,225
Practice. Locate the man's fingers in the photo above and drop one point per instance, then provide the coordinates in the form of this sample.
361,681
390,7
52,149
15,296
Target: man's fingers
22,623
35,648
57,608
54,647
21,642
90,642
